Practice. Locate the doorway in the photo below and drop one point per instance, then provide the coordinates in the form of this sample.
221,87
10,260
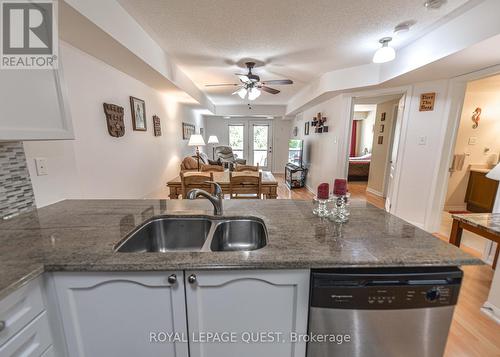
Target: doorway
374,139
475,151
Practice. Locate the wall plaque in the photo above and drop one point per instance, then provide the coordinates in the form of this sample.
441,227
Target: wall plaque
156,125
427,102
114,118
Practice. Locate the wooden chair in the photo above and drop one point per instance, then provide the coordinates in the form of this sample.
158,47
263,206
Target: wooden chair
240,168
192,180
245,185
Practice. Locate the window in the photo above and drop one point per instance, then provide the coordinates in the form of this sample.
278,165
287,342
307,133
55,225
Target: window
236,139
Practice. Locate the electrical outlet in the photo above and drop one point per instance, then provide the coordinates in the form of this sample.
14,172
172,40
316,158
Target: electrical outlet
472,140
41,166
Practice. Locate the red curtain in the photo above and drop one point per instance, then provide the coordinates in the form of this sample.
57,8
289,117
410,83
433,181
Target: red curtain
354,135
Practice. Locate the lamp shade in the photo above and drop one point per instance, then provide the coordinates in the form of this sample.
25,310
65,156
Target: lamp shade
494,174
196,140
213,139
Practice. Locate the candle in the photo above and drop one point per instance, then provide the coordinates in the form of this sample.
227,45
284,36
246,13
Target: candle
323,191
340,187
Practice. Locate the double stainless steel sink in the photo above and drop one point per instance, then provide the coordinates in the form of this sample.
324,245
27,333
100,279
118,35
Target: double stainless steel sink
196,233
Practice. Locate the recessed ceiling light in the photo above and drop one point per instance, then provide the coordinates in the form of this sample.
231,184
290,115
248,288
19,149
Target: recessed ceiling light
385,53
434,4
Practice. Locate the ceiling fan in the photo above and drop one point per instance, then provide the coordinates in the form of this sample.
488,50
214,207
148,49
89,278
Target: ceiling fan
252,85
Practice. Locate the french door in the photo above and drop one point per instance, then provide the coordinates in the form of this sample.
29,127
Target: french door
252,140
260,139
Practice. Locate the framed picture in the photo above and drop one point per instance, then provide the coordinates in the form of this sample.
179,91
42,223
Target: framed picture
306,128
202,132
138,109
382,127
382,117
295,131
187,130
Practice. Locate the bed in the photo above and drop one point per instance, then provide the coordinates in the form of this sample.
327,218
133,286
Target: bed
359,168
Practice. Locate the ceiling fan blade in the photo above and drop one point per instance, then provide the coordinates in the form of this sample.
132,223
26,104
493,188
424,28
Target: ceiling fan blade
220,85
269,90
278,81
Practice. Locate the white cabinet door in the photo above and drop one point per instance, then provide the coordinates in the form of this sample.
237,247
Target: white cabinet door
34,105
122,314
244,303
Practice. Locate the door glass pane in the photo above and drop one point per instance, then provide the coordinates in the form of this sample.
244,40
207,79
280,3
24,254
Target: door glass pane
236,139
260,144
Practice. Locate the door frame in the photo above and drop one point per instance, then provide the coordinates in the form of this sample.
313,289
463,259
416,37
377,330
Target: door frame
457,88
407,91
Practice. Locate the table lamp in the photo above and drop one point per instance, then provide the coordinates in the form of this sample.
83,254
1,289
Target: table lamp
197,140
213,140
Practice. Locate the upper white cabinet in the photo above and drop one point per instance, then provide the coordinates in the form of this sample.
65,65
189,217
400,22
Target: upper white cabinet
248,303
121,314
34,105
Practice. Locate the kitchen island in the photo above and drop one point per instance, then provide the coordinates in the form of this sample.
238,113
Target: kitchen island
68,251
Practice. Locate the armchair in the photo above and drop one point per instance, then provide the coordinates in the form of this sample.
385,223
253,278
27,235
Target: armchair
226,156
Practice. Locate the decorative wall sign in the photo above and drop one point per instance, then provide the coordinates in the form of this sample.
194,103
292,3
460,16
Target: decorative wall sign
156,125
295,131
114,119
319,123
382,117
427,102
382,127
138,109
476,117
187,130
306,128
380,140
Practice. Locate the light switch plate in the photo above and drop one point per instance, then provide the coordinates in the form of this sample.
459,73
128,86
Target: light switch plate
422,140
41,166
472,140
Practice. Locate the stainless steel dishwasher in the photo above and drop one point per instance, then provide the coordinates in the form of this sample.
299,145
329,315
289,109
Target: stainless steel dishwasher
390,312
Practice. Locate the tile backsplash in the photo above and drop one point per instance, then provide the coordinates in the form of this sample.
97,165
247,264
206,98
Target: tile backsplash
16,191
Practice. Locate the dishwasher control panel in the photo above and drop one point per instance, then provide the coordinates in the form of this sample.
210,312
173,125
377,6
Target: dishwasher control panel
383,292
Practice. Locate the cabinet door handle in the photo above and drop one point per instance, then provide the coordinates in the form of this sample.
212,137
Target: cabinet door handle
192,279
2,325
172,279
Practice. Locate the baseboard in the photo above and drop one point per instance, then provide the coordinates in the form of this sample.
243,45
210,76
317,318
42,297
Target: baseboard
374,192
492,311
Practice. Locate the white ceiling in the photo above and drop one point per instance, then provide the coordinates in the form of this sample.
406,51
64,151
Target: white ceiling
293,39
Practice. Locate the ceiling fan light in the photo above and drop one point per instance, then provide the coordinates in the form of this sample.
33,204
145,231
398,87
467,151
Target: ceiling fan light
384,53
244,79
254,93
242,93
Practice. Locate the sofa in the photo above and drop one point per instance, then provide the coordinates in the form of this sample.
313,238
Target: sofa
190,163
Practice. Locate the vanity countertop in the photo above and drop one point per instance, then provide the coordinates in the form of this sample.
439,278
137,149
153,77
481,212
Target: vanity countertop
80,235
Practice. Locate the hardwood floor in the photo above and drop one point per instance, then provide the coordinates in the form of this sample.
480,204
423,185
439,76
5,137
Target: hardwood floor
472,334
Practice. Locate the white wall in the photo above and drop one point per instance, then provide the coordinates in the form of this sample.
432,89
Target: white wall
365,133
325,153
96,165
281,132
486,95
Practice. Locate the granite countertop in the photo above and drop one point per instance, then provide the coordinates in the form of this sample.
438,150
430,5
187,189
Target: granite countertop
79,235
487,221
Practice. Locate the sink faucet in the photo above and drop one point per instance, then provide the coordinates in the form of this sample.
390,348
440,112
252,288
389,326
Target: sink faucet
216,199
